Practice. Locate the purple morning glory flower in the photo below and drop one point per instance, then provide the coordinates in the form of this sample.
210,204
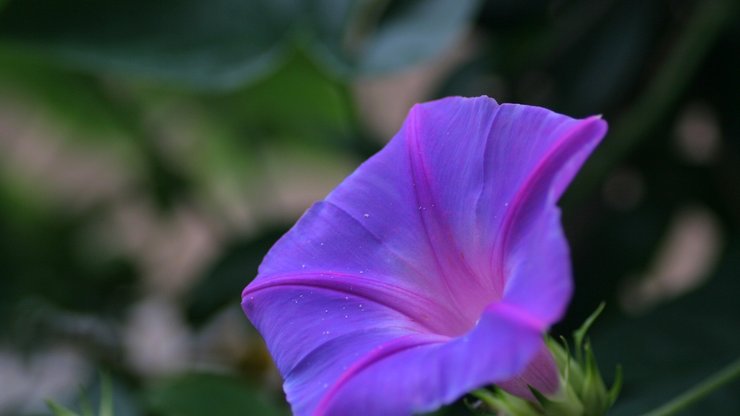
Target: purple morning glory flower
432,270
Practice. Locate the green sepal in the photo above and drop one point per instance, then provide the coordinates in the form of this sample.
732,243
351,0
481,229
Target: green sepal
504,403
580,334
564,403
616,386
570,369
594,394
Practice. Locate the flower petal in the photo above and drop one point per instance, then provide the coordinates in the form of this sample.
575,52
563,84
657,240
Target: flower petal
541,373
405,378
531,249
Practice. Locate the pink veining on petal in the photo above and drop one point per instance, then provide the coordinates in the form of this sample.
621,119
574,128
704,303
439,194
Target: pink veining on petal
448,257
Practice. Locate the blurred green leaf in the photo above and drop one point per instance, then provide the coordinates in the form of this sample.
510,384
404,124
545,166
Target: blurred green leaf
708,21
110,397
59,410
42,266
220,43
297,102
697,393
73,99
106,396
208,394
227,43
361,38
677,345
418,31
85,115
601,68
224,280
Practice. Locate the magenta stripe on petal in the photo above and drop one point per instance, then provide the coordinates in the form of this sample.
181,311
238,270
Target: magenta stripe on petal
378,354
413,305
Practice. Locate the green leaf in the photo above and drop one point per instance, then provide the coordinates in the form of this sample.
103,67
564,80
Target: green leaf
220,43
697,393
208,394
76,101
224,280
677,345
106,396
356,40
298,100
59,410
418,32
223,44
594,395
616,386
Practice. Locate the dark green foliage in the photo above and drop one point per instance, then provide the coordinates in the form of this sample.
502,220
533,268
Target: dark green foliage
202,105
226,43
677,345
223,281
208,394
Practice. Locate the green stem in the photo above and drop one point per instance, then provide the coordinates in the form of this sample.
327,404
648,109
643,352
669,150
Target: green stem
699,391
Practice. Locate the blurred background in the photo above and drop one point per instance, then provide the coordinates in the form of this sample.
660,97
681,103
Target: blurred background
151,152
